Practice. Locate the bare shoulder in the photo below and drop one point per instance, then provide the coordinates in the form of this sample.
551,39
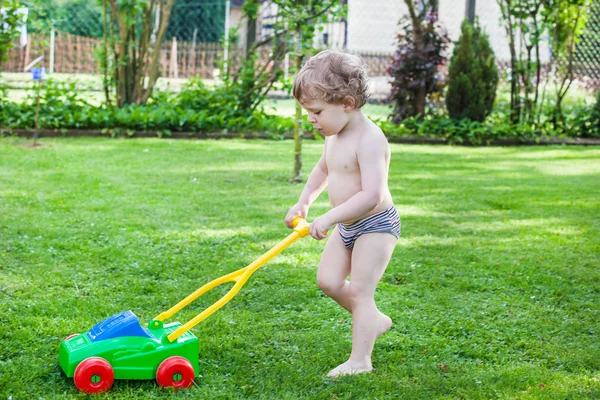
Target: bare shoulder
373,138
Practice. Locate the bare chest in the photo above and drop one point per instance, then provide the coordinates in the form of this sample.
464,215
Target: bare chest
341,157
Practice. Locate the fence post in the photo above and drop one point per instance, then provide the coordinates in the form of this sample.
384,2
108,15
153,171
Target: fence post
27,48
192,56
52,40
226,50
174,73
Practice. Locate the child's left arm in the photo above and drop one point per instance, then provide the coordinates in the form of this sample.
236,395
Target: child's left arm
373,176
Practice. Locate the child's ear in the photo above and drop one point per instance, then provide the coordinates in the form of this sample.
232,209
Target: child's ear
349,103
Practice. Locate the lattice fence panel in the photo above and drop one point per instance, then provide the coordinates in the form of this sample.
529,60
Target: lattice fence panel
587,55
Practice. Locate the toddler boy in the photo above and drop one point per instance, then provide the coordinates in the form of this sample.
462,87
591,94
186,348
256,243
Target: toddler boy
332,88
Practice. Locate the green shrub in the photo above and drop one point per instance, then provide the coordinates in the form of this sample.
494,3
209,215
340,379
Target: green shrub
589,122
473,75
415,66
195,109
577,123
200,110
596,110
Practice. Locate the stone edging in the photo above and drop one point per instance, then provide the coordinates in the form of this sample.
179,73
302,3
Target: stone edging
42,133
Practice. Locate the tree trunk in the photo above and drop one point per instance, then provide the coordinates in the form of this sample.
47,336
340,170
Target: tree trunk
538,71
251,34
420,93
568,77
136,59
471,11
297,177
515,109
420,101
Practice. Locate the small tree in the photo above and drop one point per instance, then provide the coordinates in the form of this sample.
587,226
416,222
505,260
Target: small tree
135,42
473,75
566,21
294,30
527,22
415,64
9,24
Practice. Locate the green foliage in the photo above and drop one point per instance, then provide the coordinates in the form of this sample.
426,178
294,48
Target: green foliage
527,23
415,63
135,39
589,122
9,23
198,109
194,109
250,86
292,32
299,17
79,17
578,122
41,14
205,17
587,47
473,75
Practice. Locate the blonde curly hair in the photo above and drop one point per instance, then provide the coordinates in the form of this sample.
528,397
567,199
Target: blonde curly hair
331,76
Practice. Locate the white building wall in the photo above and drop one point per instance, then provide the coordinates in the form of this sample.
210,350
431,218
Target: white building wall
373,24
238,21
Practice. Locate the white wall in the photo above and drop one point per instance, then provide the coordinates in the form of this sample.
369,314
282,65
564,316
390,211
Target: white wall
373,24
237,20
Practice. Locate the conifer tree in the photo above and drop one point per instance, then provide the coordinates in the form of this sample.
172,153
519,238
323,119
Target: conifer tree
473,75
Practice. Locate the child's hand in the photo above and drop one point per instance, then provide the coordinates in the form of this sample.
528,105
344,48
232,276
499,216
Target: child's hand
319,227
299,210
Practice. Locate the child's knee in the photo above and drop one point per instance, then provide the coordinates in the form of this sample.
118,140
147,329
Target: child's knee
358,292
329,285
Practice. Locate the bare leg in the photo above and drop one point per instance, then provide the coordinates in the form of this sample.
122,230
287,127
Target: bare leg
334,267
370,257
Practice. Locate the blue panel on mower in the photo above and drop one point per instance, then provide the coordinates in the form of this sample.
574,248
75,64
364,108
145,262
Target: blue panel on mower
122,324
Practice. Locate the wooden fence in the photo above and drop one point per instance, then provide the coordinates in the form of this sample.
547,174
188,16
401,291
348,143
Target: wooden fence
75,55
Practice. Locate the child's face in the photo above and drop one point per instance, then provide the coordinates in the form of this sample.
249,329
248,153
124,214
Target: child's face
327,118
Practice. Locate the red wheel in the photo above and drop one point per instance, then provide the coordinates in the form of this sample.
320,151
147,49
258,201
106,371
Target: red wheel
94,375
175,372
71,336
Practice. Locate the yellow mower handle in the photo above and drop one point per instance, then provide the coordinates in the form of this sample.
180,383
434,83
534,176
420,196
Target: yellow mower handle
240,277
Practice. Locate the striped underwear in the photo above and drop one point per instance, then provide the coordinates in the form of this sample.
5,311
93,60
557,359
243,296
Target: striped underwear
387,221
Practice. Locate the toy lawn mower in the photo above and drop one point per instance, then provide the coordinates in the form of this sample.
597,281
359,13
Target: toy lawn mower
121,348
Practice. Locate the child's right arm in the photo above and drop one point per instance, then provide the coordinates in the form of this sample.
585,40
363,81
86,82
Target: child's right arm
317,181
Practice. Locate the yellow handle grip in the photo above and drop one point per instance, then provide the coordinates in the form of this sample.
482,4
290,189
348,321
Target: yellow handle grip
240,277
299,220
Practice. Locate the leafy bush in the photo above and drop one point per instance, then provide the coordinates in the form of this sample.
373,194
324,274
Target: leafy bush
200,110
589,122
577,123
11,20
472,75
194,109
415,66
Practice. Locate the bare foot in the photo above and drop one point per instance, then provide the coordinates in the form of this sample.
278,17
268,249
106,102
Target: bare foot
383,324
349,368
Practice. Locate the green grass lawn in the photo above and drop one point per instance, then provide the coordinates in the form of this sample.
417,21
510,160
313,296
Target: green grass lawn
287,108
494,287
